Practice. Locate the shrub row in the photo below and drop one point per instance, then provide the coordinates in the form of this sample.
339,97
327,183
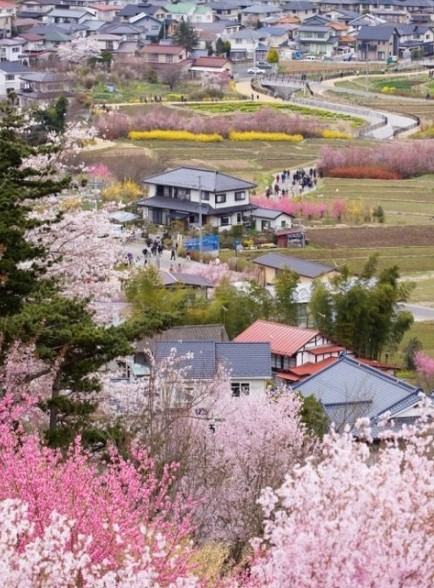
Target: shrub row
211,138
331,134
403,159
373,172
258,136
174,136
113,125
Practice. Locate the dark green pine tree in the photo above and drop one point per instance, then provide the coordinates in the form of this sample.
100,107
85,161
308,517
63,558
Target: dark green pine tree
20,185
185,35
72,346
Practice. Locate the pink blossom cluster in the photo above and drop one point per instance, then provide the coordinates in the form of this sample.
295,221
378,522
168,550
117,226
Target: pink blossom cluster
70,142
353,517
83,251
113,124
105,514
304,208
408,159
215,273
424,368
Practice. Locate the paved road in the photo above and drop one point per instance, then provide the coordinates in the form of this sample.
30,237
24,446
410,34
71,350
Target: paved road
420,313
394,121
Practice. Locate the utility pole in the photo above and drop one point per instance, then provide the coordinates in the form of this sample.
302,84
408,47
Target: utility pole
200,218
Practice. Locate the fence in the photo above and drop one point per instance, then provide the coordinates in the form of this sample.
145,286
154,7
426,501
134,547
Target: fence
209,243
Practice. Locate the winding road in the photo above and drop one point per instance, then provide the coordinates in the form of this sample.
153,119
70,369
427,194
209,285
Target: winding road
382,124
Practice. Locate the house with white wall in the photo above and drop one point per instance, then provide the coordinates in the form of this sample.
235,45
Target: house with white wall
11,49
10,77
248,365
8,12
290,346
197,197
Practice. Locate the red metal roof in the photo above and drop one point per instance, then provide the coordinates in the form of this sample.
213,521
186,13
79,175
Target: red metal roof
284,339
323,349
303,371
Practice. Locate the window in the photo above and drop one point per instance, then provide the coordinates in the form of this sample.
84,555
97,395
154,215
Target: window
157,217
240,389
240,195
10,77
181,193
205,195
239,218
15,49
283,224
220,198
169,59
224,221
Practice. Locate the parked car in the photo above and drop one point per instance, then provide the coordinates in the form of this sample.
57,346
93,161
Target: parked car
256,70
264,65
309,58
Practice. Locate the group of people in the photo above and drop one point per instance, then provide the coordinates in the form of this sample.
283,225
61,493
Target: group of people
289,183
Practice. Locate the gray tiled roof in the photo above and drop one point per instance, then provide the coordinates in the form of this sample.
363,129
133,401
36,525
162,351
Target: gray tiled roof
242,360
261,9
216,333
350,390
174,204
201,359
269,213
13,67
303,267
245,360
208,180
376,33
182,278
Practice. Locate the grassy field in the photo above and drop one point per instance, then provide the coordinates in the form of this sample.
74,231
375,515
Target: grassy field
405,202
412,86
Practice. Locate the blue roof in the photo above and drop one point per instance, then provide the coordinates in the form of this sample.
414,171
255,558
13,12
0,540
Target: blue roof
350,390
245,360
242,360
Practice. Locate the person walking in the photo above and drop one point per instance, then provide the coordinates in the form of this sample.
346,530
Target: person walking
173,254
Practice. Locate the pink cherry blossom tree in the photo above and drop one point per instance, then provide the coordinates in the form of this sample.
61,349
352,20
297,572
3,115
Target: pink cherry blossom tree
425,369
354,516
57,558
117,513
83,250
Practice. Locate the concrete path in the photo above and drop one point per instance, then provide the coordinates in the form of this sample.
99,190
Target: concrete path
392,122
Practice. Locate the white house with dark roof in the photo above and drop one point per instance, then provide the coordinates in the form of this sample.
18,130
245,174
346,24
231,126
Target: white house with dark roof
198,197
270,264
269,219
10,76
247,364
11,49
349,389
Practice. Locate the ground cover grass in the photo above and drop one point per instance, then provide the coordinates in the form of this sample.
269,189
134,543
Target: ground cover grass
248,107
424,331
415,86
263,158
423,109
403,201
